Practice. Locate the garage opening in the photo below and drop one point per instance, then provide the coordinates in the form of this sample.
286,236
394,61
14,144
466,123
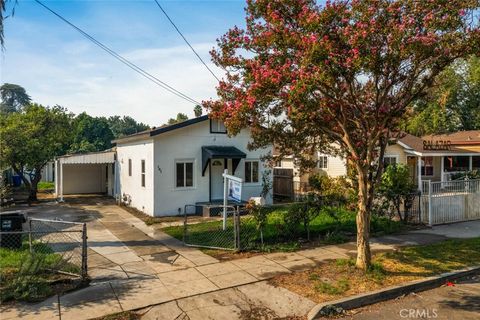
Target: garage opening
89,173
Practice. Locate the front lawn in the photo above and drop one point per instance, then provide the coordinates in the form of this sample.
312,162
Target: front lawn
332,225
43,185
340,278
30,276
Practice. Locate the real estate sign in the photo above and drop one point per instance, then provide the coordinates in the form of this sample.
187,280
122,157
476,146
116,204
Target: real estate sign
234,190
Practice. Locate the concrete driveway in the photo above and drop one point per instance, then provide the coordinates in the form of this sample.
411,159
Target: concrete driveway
461,301
120,246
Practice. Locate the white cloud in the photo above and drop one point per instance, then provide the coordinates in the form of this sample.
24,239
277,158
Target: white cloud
81,77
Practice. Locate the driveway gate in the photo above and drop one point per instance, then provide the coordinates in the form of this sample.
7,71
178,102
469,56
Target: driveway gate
450,201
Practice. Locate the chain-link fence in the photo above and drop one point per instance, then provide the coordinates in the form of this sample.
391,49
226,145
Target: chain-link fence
286,226
205,226
45,246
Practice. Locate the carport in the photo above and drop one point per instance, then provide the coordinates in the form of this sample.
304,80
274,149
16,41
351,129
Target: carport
85,173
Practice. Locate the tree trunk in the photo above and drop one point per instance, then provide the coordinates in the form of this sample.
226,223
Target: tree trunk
34,185
363,223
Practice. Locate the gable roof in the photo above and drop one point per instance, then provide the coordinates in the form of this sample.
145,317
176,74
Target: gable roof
156,131
459,138
415,144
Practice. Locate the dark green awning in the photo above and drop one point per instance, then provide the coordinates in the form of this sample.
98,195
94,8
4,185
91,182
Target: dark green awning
219,152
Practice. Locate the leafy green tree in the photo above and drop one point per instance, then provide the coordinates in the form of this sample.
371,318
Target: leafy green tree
32,137
198,110
452,104
14,97
305,77
180,118
90,134
125,126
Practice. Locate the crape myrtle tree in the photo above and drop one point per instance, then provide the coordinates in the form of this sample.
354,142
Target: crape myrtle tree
305,77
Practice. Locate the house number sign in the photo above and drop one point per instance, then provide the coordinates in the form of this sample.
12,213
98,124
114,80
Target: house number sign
437,145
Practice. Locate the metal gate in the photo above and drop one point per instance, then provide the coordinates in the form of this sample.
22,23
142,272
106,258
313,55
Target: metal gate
450,201
204,227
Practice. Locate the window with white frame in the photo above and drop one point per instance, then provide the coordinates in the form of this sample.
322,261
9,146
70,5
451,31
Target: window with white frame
142,173
390,160
427,166
184,174
217,126
129,167
322,162
251,171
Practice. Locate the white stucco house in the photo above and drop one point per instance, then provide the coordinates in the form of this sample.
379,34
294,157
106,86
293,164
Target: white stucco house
161,170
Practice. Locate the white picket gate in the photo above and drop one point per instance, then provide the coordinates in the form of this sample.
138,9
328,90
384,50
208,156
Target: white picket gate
450,201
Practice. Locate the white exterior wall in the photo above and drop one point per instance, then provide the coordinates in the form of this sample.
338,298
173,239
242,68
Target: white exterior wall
48,172
336,167
141,197
397,151
185,144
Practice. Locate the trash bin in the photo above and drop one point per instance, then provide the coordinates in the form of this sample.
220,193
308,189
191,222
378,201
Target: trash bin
17,181
11,221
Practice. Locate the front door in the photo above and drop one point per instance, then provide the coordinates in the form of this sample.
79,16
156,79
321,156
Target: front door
217,178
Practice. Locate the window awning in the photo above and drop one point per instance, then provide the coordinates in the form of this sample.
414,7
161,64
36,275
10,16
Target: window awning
219,152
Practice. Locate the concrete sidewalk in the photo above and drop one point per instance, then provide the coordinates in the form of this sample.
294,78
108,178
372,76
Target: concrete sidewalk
161,270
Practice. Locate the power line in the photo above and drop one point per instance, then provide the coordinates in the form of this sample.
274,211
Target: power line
117,56
186,41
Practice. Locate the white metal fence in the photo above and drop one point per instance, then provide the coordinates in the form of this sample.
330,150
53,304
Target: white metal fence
450,201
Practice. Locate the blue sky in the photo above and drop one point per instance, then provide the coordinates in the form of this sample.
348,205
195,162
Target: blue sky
57,65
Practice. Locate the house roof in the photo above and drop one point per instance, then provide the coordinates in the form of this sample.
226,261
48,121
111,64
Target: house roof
156,131
221,152
417,144
105,156
458,138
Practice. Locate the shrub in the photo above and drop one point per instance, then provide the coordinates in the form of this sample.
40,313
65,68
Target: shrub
301,213
397,189
260,215
333,191
27,282
474,174
28,288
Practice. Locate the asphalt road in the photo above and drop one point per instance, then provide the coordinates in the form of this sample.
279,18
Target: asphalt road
460,301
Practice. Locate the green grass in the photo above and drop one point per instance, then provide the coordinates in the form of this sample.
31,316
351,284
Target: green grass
42,185
435,258
325,228
337,288
340,278
25,276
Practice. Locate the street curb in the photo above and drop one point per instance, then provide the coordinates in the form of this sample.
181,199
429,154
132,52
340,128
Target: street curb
353,302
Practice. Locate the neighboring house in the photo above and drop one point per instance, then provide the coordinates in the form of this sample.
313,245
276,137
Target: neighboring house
437,157
433,157
161,170
328,165
48,172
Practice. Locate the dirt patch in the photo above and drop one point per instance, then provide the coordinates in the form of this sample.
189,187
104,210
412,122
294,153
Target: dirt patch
226,255
126,315
331,281
337,279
